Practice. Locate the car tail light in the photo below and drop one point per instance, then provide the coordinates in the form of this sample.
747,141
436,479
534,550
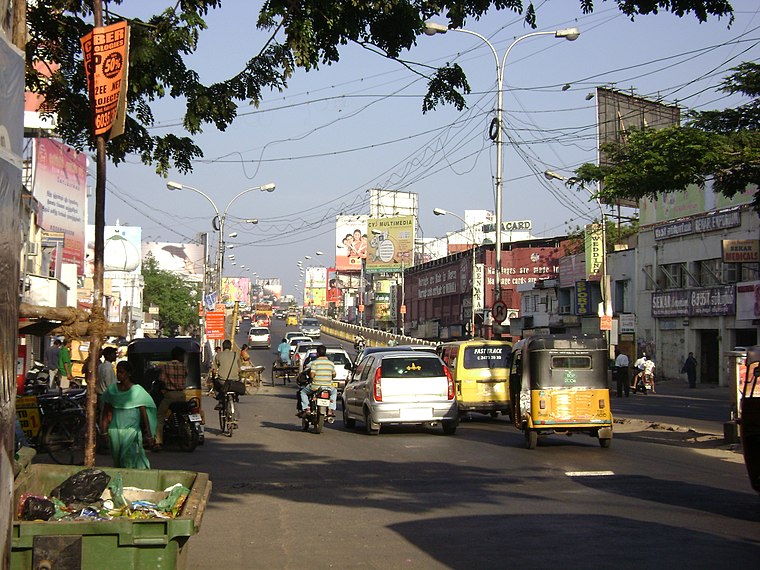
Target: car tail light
450,383
377,389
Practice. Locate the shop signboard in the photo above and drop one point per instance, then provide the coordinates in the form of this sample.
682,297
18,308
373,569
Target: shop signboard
703,302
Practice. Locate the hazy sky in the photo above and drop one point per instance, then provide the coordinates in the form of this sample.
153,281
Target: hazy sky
358,124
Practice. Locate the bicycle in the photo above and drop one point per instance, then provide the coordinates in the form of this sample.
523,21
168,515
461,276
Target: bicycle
228,419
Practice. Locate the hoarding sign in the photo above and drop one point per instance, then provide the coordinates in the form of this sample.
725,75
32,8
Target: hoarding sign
391,244
215,325
350,242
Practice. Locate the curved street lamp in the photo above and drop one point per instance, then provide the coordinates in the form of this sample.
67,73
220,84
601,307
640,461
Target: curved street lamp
218,221
442,212
570,34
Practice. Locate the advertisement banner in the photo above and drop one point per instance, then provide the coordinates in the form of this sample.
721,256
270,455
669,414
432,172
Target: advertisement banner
391,244
183,258
236,289
594,252
106,61
350,242
60,185
478,292
215,325
748,300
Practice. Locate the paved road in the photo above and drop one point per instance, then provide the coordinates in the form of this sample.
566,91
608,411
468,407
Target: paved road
415,498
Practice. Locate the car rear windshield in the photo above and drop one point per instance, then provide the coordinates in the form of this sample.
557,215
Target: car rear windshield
411,367
310,323
259,331
485,356
337,357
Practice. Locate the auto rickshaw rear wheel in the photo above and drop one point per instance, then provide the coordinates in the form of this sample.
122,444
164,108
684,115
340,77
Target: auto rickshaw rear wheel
605,442
531,438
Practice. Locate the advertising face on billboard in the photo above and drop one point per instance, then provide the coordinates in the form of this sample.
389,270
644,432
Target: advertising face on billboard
183,258
391,243
236,289
350,242
60,175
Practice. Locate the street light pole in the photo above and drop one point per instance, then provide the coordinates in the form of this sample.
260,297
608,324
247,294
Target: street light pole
605,285
442,212
570,34
220,219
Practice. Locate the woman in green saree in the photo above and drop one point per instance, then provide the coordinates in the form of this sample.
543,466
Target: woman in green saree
129,415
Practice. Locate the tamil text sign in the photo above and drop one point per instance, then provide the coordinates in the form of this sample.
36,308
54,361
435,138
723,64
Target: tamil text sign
704,302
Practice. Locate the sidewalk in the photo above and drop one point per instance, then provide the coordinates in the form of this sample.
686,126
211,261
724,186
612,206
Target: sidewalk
704,409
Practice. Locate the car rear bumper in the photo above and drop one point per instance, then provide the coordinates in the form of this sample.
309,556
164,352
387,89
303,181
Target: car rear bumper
414,413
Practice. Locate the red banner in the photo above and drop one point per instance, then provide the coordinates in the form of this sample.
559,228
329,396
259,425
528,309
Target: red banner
215,325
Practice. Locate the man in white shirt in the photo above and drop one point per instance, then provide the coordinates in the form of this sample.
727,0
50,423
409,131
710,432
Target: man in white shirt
621,374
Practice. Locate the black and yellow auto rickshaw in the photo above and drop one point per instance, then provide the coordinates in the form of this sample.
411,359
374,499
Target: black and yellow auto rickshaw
749,419
146,355
558,385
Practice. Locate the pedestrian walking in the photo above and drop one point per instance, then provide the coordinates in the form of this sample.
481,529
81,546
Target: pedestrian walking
690,369
621,374
51,361
65,375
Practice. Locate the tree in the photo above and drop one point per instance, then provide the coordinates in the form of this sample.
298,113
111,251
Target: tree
312,32
721,146
176,298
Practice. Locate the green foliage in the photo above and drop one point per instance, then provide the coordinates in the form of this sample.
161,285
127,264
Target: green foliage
722,146
176,298
304,33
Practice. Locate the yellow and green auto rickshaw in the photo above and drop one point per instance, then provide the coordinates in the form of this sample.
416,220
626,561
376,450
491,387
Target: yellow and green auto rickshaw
558,385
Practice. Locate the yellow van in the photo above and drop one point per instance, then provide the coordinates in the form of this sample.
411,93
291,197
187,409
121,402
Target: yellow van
480,369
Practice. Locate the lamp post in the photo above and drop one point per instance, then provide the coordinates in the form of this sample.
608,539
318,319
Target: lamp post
442,212
606,308
570,34
218,222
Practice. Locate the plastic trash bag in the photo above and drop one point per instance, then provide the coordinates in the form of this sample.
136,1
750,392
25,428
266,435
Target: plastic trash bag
35,508
85,486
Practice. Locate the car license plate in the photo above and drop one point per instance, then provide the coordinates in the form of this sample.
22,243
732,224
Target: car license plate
418,414
322,402
195,417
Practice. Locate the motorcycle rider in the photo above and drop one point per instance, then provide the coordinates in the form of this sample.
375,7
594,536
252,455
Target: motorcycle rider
321,372
359,342
645,369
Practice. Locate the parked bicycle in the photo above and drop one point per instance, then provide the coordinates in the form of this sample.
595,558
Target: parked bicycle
55,423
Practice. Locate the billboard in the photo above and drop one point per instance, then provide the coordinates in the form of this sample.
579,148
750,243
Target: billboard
183,258
618,113
391,243
236,289
315,287
59,184
268,287
350,242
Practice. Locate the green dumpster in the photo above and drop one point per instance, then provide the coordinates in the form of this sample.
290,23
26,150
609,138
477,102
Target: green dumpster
117,543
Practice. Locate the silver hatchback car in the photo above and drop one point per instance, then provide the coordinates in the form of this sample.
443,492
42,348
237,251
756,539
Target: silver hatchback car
400,387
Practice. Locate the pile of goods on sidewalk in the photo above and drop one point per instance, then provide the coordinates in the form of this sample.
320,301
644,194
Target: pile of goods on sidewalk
91,494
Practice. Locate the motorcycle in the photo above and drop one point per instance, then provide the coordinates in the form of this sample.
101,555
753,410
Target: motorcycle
359,344
37,379
184,426
318,412
643,382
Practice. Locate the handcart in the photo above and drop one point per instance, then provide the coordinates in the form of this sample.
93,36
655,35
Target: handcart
285,371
